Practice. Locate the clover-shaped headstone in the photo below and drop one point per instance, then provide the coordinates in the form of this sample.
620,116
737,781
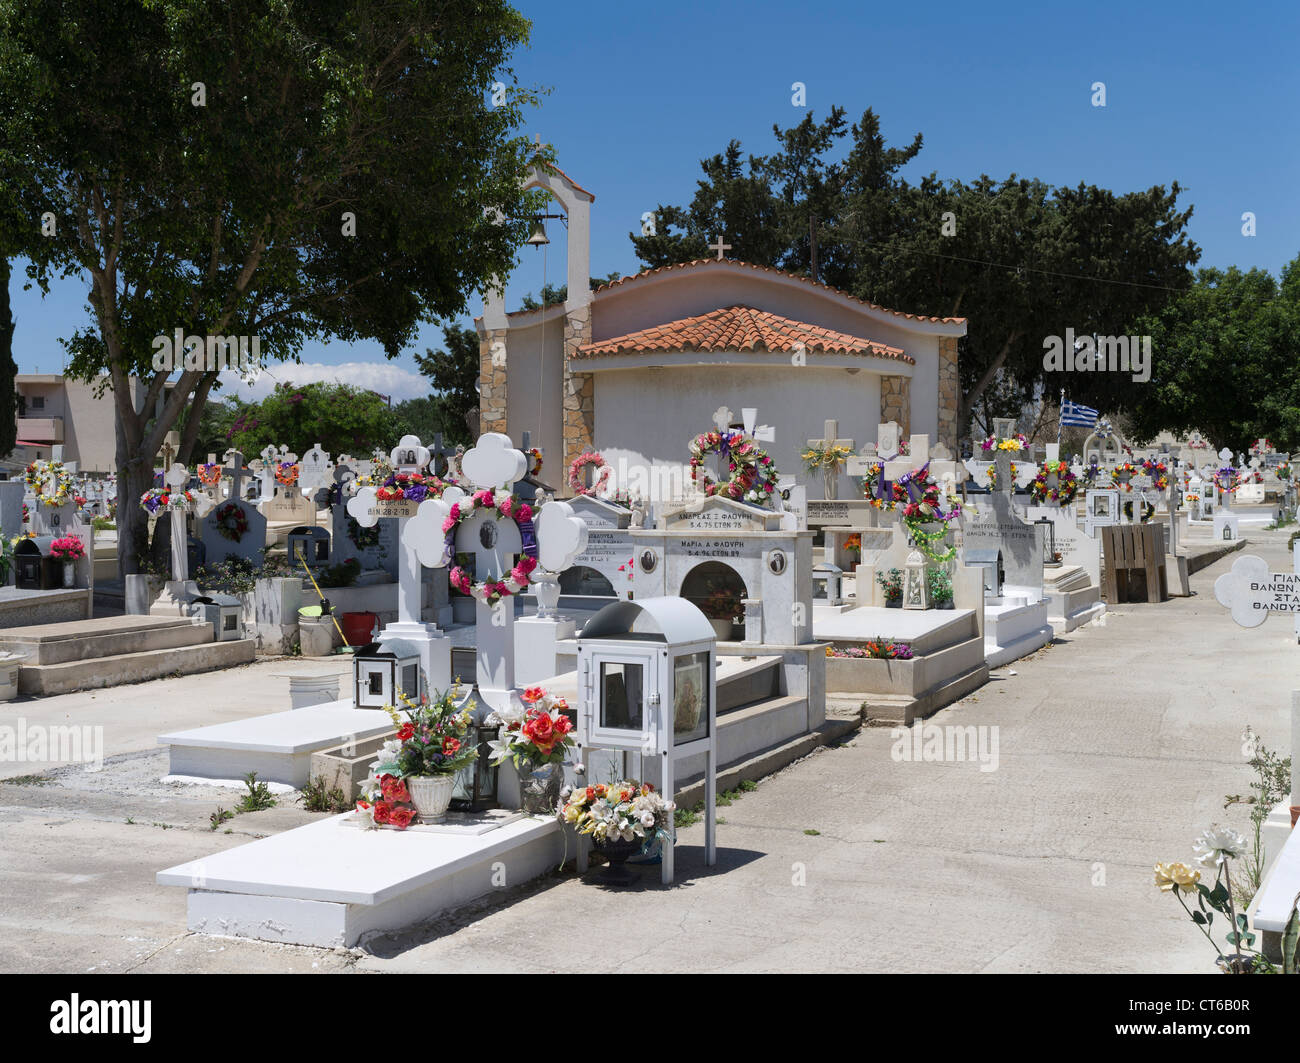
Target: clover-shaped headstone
561,536
493,462
409,455
363,507
423,532
1251,591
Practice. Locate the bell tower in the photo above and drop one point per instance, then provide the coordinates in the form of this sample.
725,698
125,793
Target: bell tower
578,419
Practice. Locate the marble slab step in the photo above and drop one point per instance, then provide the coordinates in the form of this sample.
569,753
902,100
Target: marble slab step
119,669
331,884
108,636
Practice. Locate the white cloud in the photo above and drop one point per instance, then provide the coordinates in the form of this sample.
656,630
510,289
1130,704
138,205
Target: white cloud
383,377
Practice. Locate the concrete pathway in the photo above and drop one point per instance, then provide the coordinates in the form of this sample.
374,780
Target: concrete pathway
1115,746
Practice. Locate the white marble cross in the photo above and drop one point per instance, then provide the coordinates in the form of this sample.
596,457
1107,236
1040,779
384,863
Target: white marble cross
719,247
495,542
761,433
1251,591
830,473
235,467
315,470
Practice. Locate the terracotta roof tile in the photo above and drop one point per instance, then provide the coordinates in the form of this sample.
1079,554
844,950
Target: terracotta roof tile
714,263
741,328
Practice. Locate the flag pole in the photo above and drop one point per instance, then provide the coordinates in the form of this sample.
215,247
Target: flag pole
1060,414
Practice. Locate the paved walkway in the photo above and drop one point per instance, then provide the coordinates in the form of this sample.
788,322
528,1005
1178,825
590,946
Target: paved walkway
1115,746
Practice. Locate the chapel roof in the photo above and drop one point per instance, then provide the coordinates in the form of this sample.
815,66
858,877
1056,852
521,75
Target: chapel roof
715,263
741,328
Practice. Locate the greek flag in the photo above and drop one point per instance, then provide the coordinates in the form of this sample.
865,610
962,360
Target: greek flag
1072,413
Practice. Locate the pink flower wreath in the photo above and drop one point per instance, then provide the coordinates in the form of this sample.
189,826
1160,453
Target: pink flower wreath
589,457
492,591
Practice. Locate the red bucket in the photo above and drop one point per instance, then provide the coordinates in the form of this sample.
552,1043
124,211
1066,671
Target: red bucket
357,627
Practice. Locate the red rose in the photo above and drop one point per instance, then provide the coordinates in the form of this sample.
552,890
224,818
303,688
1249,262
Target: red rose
563,725
540,728
405,731
383,811
401,817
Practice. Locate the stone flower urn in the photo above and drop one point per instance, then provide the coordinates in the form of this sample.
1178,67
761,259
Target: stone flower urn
431,795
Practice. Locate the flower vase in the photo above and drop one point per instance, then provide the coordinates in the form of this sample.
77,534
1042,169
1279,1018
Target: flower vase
617,853
431,795
69,574
539,787
721,629
547,589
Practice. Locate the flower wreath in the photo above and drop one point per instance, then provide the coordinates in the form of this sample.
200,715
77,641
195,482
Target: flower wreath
588,457
164,498
62,483
1121,468
231,521
753,475
534,461
992,474
918,496
209,474
411,486
1148,509
1227,479
362,538
1067,484
492,591
1158,471
286,473
1014,443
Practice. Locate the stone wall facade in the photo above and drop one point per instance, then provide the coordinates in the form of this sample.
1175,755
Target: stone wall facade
896,402
949,392
493,394
579,387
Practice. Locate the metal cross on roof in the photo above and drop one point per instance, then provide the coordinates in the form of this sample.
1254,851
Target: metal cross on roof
719,247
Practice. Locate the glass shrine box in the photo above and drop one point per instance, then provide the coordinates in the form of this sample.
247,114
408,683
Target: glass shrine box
646,684
381,669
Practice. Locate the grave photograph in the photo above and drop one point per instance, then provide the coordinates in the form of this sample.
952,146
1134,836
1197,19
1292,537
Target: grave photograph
470,510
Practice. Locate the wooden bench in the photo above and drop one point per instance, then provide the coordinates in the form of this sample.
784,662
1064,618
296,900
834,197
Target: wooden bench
1130,549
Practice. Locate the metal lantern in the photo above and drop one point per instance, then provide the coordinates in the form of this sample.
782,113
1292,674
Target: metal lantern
381,669
309,544
476,782
34,568
1049,537
223,612
827,579
990,561
916,586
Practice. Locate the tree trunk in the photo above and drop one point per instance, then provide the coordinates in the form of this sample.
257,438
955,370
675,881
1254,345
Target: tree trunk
973,396
8,425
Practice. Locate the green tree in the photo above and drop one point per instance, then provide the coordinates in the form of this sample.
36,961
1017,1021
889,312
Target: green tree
453,373
1223,360
340,417
1020,259
260,169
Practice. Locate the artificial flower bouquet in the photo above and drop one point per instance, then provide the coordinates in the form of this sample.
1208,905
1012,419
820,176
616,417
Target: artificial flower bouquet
69,548
541,734
432,739
622,811
1214,849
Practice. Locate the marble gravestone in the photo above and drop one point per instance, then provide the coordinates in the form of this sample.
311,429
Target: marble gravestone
994,525
218,546
773,562
610,548
375,546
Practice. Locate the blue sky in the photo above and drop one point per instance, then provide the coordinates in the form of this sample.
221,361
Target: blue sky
1205,94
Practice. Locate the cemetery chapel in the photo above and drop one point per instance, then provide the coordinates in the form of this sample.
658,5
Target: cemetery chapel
637,368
